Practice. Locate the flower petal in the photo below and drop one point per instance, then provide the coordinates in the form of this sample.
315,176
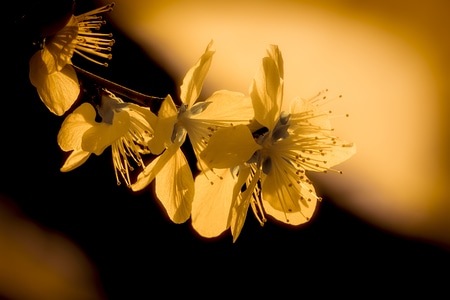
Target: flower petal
307,118
241,200
227,108
152,170
74,160
61,46
340,153
97,138
58,90
142,115
267,89
311,139
274,52
286,199
70,136
335,152
194,78
174,187
163,126
229,147
223,109
212,202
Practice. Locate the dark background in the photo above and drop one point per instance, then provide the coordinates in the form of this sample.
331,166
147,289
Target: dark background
137,252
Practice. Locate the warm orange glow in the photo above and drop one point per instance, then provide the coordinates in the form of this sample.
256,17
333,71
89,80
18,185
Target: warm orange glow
388,63
36,263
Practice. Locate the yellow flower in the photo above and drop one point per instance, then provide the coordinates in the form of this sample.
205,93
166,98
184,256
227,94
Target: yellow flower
50,68
174,184
268,166
126,127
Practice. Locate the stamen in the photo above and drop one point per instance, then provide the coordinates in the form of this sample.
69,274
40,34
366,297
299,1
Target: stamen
94,43
91,59
251,189
129,147
106,8
214,173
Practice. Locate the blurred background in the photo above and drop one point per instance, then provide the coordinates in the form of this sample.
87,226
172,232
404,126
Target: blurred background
79,236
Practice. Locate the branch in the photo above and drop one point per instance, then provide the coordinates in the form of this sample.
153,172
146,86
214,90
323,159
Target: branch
133,95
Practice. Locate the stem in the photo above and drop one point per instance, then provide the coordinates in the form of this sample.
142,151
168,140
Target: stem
133,95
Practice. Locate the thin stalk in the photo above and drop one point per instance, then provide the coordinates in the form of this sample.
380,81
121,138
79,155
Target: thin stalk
133,95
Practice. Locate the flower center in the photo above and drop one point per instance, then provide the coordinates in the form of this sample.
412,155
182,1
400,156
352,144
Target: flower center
128,148
133,143
266,139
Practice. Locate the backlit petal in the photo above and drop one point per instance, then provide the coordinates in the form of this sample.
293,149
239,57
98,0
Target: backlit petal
194,78
58,90
286,198
267,90
222,109
229,147
61,46
174,187
212,202
74,160
303,113
164,126
142,115
241,201
274,52
70,136
340,153
152,170
228,108
102,135
333,152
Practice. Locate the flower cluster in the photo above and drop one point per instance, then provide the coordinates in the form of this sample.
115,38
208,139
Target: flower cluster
249,153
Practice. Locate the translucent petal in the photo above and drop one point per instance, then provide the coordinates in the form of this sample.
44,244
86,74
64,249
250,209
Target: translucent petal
229,147
212,202
267,92
303,112
227,107
222,109
62,45
70,136
241,201
286,198
274,52
102,135
58,90
194,78
335,152
75,159
164,126
152,170
142,115
174,187
340,153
